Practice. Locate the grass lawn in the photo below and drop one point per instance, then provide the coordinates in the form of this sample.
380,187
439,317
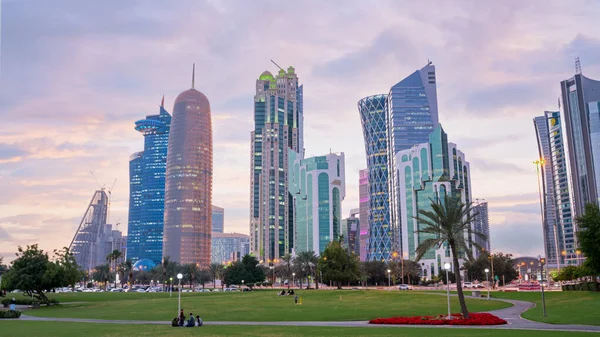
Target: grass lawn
49,329
258,306
562,307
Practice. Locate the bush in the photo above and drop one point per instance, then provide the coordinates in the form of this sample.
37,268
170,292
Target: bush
26,301
10,314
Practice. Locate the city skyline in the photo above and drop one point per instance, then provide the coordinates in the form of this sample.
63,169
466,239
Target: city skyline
76,115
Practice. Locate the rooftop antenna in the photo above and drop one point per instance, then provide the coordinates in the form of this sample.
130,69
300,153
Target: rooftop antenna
193,74
276,65
577,66
162,103
429,62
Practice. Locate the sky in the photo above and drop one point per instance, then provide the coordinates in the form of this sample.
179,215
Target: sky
76,75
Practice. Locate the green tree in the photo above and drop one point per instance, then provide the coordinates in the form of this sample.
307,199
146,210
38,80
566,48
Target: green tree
203,277
112,258
248,269
33,273
588,236
125,268
190,273
446,223
503,267
216,271
101,273
286,269
376,272
305,264
70,271
338,265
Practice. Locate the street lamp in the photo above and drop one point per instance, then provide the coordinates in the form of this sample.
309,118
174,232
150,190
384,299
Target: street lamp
542,263
171,289
242,284
179,277
389,278
447,268
294,279
487,277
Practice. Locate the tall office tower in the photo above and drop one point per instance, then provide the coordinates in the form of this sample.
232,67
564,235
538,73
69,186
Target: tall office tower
188,188
412,114
278,126
558,227
481,224
578,95
85,246
427,171
381,236
147,188
363,194
318,187
350,232
228,247
218,219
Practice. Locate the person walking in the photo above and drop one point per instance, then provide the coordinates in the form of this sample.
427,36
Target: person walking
181,318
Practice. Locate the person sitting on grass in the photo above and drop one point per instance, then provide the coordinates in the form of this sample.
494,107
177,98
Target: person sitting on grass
191,321
175,322
199,320
181,318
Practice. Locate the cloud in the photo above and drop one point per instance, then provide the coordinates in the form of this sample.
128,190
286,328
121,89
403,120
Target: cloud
484,165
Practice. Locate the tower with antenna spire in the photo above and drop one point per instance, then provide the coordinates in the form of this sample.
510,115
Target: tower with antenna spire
147,171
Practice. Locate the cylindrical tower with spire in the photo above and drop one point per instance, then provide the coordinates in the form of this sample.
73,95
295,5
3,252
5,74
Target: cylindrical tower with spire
188,190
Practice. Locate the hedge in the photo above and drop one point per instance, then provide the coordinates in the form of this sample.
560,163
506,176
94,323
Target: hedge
583,286
10,314
26,301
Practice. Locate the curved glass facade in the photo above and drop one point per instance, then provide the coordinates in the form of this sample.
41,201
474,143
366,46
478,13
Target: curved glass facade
188,189
374,123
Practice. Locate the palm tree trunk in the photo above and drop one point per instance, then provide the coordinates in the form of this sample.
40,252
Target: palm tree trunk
459,290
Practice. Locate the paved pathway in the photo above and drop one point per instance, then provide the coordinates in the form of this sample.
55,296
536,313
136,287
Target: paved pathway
512,315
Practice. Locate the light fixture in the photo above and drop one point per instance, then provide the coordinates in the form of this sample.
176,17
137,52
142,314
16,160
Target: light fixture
447,266
179,276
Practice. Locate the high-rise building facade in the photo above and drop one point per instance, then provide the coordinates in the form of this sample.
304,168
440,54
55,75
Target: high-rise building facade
363,194
429,171
229,247
147,188
558,227
577,94
412,114
481,224
188,186
350,232
87,245
318,187
278,126
381,235
218,219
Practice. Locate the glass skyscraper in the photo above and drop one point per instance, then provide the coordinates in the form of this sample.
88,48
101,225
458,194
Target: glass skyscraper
429,171
374,122
350,231
218,219
318,187
363,194
228,247
481,224
278,126
147,189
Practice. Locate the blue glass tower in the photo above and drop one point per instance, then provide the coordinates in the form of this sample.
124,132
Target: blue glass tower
147,189
374,123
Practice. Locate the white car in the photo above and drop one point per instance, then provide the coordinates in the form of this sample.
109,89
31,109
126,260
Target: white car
140,290
468,285
404,287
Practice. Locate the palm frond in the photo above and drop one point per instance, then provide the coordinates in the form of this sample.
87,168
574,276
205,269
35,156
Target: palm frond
425,246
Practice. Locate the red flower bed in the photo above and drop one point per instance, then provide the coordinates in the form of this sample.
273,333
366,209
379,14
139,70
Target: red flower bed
457,319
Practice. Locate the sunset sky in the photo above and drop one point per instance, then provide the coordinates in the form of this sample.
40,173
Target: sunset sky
76,75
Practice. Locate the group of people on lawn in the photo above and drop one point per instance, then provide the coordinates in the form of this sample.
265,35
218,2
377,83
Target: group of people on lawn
283,293
191,321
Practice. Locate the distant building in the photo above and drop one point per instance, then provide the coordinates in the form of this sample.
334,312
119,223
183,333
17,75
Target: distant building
318,187
218,219
427,171
188,182
481,224
363,194
350,231
147,188
94,238
229,247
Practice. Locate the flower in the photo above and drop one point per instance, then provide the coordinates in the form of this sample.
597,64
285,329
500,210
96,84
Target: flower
457,319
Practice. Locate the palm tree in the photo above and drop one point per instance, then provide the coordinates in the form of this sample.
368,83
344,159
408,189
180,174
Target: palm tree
306,262
113,257
448,223
101,273
124,268
190,273
287,267
216,270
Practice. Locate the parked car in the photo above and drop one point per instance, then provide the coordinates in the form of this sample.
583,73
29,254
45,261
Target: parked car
404,287
230,289
468,285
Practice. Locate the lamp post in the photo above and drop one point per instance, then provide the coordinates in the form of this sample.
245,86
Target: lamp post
389,278
242,285
171,289
447,267
487,277
542,263
273,269
179,277
294,280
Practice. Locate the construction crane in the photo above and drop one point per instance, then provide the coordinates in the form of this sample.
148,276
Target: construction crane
102,188
276,65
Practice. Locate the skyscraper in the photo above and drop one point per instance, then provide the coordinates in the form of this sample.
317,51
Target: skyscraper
350,231
577,94
363,194
188,188
318,187
481,224
427,171
558,230
228,247
381,235
278,126
87,244
412,114
218,219
147,188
